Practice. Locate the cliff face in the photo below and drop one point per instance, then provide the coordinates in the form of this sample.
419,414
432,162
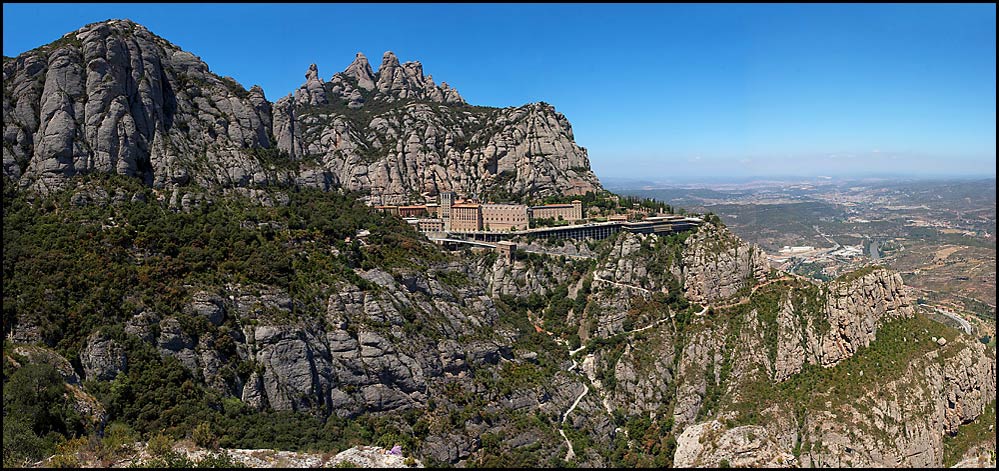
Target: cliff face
853,312
395,134
736,374
716,264
890,423
358,357
923,381
906,419
640,350
114,98
604,346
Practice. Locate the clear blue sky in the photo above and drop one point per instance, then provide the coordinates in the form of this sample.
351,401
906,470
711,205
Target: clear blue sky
653,91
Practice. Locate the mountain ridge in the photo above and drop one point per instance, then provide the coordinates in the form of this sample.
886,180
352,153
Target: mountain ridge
186,271
113,97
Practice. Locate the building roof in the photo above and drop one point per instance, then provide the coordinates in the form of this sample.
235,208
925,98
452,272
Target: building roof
553,206
506,205
465,205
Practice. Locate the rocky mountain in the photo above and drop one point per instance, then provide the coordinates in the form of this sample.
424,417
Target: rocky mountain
590,353
112,97
153,292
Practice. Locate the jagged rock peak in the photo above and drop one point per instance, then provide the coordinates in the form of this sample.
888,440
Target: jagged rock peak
115,98
360,70
388,59
312,92
395,81
392,82
312,73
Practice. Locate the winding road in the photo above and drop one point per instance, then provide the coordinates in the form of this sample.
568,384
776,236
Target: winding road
570,454
965,325
597,278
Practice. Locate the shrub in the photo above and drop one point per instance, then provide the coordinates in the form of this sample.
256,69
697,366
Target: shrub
160,445
119,437
204,436
20,444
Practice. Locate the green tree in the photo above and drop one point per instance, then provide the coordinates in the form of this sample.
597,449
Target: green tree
37,394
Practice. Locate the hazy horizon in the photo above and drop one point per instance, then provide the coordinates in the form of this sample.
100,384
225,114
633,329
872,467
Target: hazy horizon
653,91
711,181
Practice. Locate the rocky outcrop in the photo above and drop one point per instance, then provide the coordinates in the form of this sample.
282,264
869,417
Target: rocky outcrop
372,457
717,264
396,82
208,306
102,358
635,269
699,368
357,359
360,72
90,410
420,148
854,311
898,423
710,445
642,386
313,91
524,277
898,420
112,97
44,355
904,421
361,456
790,355
851,313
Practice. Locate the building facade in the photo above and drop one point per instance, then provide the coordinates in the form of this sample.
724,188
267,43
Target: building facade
565,212
444,212
506,249
464,217
504,217
393,210
430,225
412,211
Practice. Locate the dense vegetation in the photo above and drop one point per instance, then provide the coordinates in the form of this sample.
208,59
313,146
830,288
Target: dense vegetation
74,265
109,261
36,415
981,430
90,258
608,202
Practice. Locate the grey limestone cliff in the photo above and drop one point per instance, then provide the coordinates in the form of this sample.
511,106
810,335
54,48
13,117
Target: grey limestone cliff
112,97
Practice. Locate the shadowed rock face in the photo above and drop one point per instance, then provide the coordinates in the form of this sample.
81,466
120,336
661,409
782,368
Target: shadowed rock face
114,98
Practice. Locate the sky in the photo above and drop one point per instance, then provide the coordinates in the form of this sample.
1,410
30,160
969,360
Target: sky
664,92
